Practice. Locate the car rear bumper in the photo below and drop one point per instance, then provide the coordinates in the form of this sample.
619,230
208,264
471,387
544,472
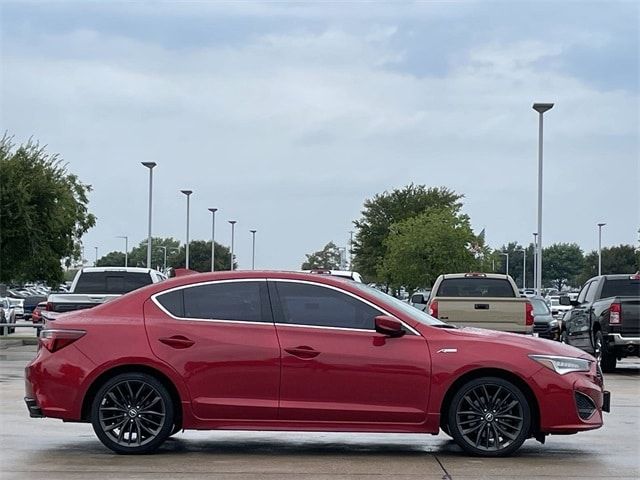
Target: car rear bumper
34,410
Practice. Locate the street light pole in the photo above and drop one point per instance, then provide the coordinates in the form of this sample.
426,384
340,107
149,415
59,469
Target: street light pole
186,252
524,267
233,225
600,225
507,255
150,166
540,108
95,264
213,237
126,249
253,248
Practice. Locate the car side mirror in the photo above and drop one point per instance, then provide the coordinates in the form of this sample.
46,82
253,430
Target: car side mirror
574,303
389,326
418,298
564,300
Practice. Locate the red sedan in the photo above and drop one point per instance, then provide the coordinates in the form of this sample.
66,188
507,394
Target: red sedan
292,351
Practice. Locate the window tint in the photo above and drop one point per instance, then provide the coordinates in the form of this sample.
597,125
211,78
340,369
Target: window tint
475,287
540,307
591,293
304,304
173,302
111,282
242,301
623,287
583,292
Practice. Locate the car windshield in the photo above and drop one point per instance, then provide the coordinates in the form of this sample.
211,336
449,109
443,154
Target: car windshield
540,307
412,312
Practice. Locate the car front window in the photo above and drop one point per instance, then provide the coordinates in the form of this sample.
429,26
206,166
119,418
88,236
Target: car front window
411,312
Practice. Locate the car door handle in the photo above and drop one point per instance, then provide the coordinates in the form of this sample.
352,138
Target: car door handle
177,341
302,351
481,306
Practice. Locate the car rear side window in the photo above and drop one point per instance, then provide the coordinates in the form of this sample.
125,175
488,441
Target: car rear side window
621,287
239,301
475,287
304,304
111,282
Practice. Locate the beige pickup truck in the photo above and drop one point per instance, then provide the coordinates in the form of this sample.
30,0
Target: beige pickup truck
482,300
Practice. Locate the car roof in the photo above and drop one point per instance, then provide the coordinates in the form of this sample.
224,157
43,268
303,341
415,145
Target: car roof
118,269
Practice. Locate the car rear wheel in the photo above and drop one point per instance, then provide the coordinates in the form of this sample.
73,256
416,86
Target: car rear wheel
606,359
132,413
489,417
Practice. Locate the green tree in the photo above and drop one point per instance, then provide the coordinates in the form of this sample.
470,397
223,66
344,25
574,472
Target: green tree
422,247
327,258
619,259
514,249
138,255
111,259
200,257
387,208
43,214
561,262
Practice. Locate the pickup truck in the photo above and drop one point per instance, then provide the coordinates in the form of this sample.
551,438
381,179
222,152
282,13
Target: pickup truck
605,320
95,285
480,300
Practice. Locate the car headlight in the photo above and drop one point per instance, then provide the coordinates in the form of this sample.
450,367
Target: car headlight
562,365
553,323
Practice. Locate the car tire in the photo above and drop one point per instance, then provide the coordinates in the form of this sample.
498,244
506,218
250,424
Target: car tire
606,359
489,417
132,413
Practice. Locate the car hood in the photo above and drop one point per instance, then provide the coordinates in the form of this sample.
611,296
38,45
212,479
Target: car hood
527,343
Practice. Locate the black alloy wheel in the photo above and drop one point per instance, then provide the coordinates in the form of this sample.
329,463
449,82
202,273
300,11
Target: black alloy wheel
489,417
605,359
132,413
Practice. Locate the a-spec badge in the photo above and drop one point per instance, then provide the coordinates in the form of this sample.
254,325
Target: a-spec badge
448,350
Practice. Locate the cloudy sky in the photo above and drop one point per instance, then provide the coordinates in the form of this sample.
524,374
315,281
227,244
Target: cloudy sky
286,116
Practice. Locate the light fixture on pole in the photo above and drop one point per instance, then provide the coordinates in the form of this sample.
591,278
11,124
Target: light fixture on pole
540,108
213,237
233,225
535,260
253,249
186,251
507,255
126,249
524,267
150,166
600,225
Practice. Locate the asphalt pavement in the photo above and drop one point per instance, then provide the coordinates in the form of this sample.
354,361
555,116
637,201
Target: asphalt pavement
50,449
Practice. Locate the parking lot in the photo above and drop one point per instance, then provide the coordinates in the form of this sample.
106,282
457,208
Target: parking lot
46,448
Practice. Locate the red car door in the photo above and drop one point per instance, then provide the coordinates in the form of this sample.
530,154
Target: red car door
337,368
221,338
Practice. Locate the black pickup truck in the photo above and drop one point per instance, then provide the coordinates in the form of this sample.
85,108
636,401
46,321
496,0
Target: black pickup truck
605,320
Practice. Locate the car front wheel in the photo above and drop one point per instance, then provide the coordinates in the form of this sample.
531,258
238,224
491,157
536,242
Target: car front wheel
132,413
489,417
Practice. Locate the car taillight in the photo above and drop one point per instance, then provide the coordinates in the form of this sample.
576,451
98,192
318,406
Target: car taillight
433,309
615,314
528,314
54,340
49,307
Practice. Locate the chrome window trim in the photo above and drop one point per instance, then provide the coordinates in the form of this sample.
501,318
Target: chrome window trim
155,300
331,287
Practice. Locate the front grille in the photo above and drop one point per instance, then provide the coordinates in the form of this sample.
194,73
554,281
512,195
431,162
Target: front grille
585,405
540,327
